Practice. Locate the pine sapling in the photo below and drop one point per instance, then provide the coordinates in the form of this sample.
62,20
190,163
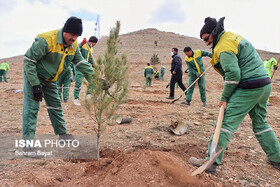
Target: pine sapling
154,59
110,84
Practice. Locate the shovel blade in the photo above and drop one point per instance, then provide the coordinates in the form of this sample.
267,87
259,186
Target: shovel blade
208,163
213,149
180,129
176,99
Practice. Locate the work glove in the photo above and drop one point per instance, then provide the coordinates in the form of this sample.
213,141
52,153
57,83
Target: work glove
84,41
275,67
37,93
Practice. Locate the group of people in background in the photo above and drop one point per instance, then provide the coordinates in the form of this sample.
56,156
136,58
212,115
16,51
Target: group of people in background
195,68
150,72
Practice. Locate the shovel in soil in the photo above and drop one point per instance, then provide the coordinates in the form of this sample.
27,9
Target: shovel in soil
121,120
178,128
213,154
190,85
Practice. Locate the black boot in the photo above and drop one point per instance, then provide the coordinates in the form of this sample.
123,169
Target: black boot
212,169
186,103
169,97
274,164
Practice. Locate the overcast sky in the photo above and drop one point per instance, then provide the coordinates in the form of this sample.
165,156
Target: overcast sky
22,20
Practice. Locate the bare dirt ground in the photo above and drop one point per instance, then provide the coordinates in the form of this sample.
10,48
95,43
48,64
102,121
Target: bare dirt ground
143,152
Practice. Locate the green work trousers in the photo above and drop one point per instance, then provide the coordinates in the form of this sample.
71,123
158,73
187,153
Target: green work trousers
161,76
3,73
31,108
252,102
201,84
149,80
64,83
79,76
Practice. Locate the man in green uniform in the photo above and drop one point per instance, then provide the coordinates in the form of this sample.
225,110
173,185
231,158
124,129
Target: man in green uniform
80,76
195,66
247,87
148,73
162,71
4,68
270,65
64,83
50,56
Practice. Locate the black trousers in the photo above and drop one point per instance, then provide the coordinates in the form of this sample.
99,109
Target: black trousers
176,78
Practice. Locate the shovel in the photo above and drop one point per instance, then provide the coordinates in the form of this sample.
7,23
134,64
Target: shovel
213,154
274,69
190,85
178,128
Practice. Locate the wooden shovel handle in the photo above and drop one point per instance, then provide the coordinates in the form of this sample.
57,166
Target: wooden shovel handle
274,69
219,125
214,155
191,85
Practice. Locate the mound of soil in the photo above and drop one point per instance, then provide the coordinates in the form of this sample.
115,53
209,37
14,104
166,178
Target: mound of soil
118,168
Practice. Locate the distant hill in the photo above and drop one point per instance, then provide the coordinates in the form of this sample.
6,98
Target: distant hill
140,45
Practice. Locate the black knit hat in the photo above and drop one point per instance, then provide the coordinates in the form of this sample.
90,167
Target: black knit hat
209,26
73,25
93,39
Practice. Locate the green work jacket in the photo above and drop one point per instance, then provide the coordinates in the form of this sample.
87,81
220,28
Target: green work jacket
85,53
149,71
195,63
237,61
5,66
269,65
47,58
